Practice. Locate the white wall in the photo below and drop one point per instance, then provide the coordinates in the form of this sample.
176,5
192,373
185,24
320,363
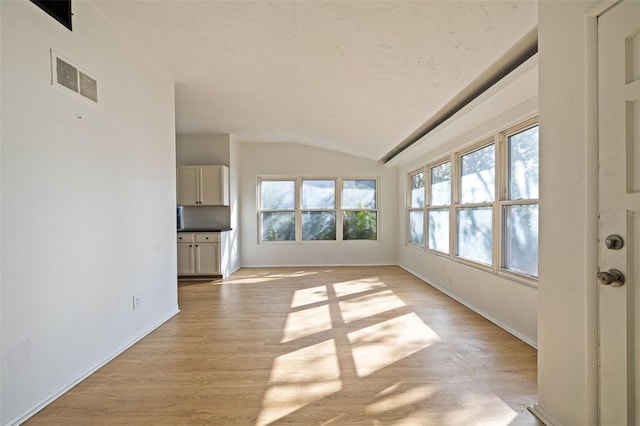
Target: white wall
231,256
566,329
509,303
283,159
204,150
87,204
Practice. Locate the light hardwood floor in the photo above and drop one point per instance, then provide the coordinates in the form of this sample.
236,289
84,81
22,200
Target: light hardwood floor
312,346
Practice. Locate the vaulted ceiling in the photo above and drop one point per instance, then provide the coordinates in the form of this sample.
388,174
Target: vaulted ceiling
352,76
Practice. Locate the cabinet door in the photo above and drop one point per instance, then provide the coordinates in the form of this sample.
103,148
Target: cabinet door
211,186
208,258
187,186
186,261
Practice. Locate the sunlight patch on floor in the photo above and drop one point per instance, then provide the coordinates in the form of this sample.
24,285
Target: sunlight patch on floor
306,323
300,378
482,406
347,288
396,399
308,296
382,344
371,304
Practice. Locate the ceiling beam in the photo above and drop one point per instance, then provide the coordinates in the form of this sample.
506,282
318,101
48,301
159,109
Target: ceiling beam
512,59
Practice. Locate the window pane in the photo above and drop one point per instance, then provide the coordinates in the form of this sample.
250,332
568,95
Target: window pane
521,239
318,225
523,164
439,230
277,195
360,225
417,190
318,194
441,185
474,234
359,194
477,183
416,227
278,226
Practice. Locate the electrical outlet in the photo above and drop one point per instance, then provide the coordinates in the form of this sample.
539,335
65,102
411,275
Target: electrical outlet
137,302
324,255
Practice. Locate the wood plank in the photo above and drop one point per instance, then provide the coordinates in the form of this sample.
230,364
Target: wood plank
390,349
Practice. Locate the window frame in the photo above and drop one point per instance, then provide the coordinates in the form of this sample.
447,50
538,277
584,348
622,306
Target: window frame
504,195
341,210
429,205
422,209
299,206
260,210
458,205
500,139
299,210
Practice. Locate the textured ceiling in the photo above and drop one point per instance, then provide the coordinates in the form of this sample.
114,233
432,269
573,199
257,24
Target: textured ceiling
357,77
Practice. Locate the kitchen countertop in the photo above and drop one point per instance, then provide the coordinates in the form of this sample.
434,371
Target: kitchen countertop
204,229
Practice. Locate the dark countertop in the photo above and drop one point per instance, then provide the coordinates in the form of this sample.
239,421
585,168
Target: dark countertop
204,229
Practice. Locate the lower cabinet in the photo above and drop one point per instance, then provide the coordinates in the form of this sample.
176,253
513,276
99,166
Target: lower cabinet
199,253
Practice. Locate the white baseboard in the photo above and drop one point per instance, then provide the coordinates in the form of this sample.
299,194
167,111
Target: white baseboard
319,265
543,416
55,395
480,312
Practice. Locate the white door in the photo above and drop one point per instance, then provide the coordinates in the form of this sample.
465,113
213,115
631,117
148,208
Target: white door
619,208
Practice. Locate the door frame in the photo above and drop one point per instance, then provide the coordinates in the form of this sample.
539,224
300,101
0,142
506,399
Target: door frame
591,229
592,163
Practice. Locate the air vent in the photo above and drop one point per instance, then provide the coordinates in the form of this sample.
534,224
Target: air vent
68,75
60,10
88,87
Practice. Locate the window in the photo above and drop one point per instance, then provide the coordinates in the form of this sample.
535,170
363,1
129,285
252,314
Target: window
439,210
520,210
480,205
305,209
359,210
416,208
318,210
475,210
277,210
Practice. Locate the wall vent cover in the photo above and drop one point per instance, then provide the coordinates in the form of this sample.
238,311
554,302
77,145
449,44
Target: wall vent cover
68,75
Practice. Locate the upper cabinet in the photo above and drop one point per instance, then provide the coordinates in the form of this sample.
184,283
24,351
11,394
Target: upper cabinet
203,185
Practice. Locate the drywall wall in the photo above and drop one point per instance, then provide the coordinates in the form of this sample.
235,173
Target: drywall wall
567,358
88,196
204,150
231,255
510,303
285,159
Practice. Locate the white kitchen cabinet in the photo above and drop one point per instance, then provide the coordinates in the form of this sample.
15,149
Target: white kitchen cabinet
186,259
198,253
203,185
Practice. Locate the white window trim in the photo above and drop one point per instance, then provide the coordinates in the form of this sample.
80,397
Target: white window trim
410,209
457,204
298,210
503,199
500,139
